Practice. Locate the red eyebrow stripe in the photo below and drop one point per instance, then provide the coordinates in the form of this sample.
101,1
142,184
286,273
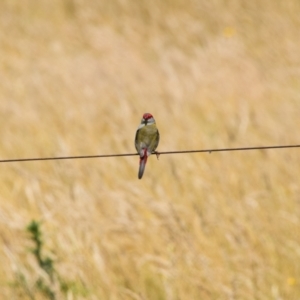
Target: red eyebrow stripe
147,116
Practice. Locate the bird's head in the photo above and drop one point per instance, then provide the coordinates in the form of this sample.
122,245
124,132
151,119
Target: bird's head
147,119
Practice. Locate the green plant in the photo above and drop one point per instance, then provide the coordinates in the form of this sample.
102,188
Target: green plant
45,263
49,283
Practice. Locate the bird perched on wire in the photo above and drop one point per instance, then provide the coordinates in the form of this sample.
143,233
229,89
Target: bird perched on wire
146,140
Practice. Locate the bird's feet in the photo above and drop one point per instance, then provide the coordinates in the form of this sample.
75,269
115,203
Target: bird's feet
157,154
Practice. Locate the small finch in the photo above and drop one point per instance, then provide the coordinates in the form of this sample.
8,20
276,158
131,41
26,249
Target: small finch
146,140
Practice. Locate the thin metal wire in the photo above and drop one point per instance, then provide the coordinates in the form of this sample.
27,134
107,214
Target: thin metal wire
157,153
232,149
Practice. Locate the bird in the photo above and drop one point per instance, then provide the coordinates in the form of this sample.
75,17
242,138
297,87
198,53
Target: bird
146,140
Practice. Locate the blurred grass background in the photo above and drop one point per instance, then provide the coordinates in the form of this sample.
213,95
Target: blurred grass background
76,77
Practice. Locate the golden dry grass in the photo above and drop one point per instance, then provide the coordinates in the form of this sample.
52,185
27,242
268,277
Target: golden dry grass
76,77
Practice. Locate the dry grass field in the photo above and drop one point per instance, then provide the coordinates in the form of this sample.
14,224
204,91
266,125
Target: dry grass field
76,77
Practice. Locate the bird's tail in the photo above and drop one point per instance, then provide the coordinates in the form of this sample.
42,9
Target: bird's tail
143,161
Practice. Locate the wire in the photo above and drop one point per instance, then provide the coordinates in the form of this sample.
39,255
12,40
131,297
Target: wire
157,153
64,157
232,149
